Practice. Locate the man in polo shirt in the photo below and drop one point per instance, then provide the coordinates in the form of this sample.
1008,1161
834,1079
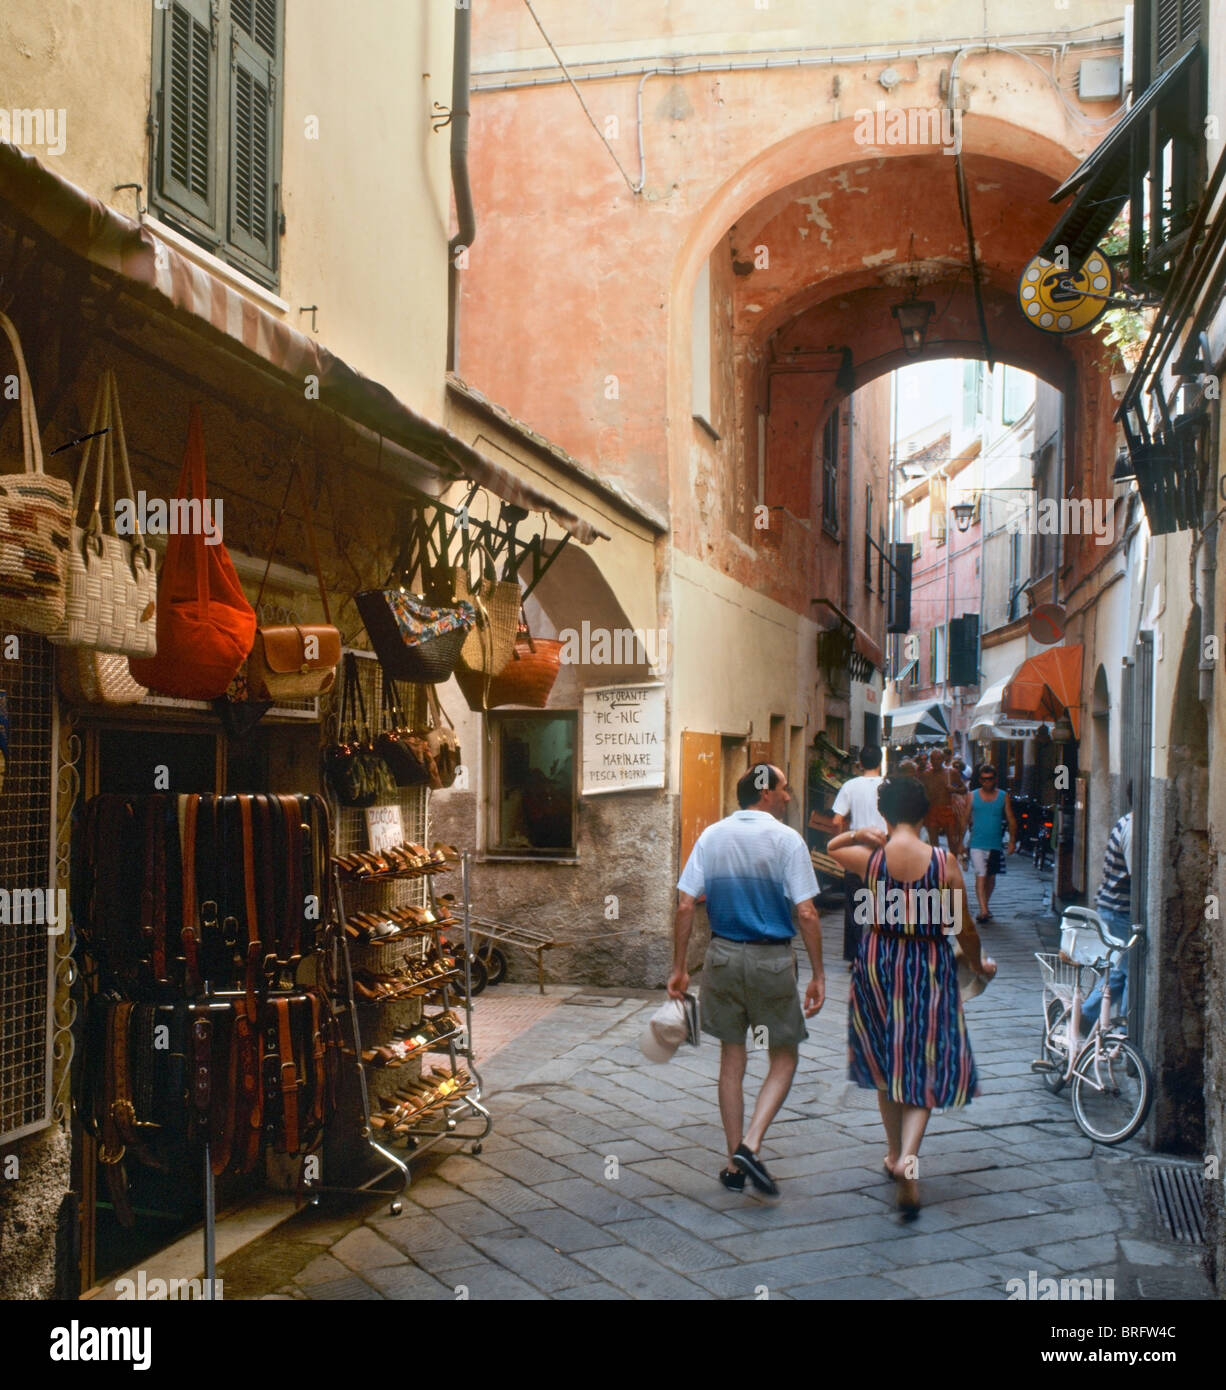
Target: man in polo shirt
855,808
753,870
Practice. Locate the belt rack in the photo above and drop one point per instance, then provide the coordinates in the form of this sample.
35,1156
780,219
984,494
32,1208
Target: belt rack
164,959
440,1117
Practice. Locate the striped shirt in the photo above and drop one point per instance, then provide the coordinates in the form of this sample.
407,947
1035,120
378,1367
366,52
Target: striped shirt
752,868
1115,895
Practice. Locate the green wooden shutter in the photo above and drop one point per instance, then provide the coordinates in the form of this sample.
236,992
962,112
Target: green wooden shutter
255,129
188,110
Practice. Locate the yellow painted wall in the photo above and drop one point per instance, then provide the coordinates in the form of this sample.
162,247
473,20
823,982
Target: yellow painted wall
367,205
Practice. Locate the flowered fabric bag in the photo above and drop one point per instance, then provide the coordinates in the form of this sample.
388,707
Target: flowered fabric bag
415,640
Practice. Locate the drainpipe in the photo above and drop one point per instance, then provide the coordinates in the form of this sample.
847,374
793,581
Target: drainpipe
461,72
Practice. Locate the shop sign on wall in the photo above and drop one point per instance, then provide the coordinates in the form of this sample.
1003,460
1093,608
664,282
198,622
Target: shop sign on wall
623,738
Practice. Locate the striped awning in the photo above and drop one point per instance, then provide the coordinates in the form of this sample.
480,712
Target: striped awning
922,721
989,721
162,274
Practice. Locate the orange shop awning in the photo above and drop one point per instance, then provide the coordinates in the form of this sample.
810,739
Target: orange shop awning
1046,686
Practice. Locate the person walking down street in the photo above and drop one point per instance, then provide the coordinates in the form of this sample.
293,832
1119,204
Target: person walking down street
961,803
991,810
1113,904
753,870
907,1037
941,814
855,808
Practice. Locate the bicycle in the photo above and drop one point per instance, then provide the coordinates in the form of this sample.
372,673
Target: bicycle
1112,1085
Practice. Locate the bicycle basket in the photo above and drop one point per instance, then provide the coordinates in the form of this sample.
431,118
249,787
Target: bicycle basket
1062,977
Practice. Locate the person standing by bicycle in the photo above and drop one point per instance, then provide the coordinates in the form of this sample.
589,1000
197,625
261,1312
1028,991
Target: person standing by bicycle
1113,904
991,809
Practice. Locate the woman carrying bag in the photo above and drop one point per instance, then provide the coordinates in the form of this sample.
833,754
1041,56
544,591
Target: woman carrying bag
907,1036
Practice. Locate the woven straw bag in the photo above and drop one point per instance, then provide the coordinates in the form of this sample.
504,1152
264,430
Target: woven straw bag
489,645
112,581
35,516
89,677
526,679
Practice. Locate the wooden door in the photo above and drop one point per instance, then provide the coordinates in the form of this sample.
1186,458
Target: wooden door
701,765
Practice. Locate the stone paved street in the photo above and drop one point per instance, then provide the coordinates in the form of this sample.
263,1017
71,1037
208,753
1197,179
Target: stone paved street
599,1179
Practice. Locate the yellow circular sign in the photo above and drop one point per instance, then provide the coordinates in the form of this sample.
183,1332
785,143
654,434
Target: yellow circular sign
1064,301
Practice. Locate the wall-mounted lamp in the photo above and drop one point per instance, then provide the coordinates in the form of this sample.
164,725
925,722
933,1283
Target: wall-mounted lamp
963,511
1062,730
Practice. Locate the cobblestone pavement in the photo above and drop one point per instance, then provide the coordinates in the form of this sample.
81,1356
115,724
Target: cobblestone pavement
598,1181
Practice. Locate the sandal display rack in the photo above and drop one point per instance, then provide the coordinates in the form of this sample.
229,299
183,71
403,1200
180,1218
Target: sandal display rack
386,982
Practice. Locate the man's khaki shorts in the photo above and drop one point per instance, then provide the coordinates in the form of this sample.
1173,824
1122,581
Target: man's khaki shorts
746,985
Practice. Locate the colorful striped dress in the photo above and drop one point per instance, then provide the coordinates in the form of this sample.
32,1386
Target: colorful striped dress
906,1033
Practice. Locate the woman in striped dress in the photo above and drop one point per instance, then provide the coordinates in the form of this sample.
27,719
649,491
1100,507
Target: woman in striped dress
906,1032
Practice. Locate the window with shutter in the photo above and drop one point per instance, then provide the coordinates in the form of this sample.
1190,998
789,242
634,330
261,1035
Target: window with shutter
218,126
188,108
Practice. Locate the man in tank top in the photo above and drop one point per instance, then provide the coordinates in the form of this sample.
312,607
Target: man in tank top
991,810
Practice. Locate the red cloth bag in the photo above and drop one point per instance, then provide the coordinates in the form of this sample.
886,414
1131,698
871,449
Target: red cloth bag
205,626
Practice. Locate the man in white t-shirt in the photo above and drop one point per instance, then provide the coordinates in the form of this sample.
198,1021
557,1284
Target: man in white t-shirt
855,808
753,871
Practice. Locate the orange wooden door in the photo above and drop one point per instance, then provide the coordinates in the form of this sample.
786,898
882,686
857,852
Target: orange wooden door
701,776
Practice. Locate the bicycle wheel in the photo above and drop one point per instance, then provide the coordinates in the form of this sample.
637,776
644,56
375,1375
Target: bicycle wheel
1111,1096
1054,1046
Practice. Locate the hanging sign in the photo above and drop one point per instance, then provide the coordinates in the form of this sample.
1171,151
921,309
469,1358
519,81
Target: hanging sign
1046,623
1062,300
623,738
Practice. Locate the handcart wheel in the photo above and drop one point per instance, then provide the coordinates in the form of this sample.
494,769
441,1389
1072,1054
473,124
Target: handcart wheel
396,1207
479,974
495,965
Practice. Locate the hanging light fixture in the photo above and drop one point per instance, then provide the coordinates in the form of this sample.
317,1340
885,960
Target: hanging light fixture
963,511
913,316
1062,730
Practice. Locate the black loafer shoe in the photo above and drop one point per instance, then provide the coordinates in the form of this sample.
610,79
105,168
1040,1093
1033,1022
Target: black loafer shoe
750,1163
732,1180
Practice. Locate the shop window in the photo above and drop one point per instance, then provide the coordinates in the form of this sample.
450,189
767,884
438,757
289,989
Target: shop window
533,788
217,102
830,473
836,730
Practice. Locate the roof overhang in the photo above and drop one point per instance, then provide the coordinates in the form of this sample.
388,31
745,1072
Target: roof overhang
161,274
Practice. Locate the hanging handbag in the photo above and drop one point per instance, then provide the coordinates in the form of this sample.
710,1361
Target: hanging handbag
236,709
357,774
443,740
35,520
489,644
525,680
404,749
112,580
89,677
205,626
294,662
415,638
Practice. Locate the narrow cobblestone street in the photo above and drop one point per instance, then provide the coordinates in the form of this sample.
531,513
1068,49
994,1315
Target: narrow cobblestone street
1009,1185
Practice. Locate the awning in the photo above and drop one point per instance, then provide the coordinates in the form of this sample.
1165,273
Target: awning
160,273
989,721
861,642
1101,181
1046,686
922,721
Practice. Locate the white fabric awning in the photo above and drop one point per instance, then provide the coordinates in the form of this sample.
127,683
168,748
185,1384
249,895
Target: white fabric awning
988,722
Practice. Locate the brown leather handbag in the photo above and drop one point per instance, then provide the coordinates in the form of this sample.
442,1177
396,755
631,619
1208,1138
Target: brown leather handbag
294,661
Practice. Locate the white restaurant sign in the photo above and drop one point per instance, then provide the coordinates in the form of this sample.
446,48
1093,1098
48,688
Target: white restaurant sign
623,738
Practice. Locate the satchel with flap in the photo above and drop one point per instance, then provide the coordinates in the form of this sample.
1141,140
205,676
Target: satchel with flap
112,580
404,749
443,740
35,518
294,662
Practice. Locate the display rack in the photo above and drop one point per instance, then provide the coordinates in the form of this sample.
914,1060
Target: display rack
443,1111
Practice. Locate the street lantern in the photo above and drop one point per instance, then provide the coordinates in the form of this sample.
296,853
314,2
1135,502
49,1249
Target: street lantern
1062,730
963,511
913,316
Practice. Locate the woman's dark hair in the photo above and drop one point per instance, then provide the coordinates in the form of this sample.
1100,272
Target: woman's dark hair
902,800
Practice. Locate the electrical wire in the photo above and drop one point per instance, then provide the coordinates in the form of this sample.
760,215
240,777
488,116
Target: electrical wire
612,152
